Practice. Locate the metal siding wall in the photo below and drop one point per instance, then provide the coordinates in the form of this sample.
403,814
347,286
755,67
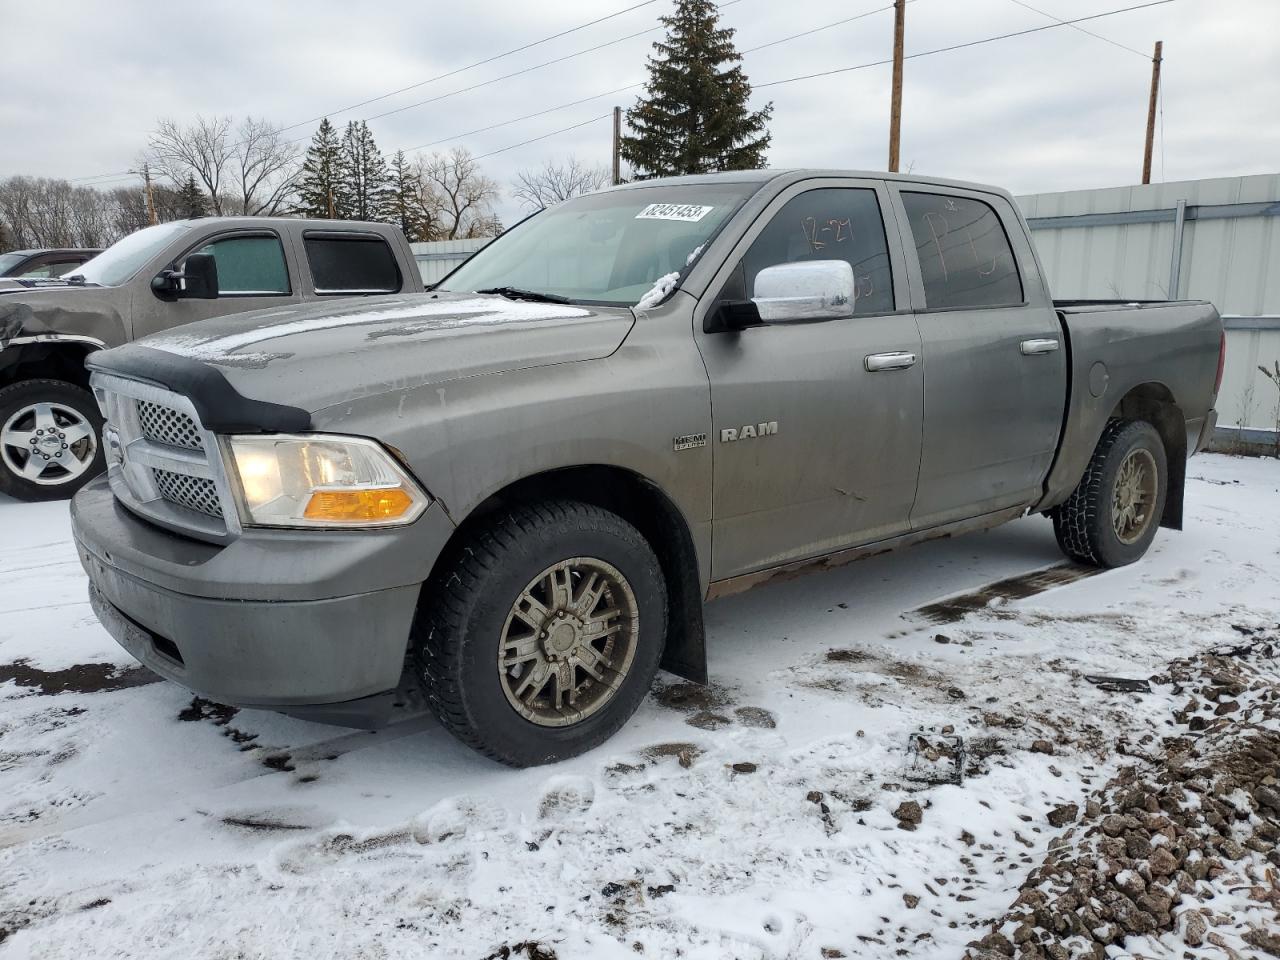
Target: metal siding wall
441,256
1233,263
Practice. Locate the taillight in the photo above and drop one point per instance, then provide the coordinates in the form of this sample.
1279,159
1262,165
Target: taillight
1222,362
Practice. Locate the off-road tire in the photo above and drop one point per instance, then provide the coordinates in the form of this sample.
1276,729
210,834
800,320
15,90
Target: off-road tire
26,392
465,605
1084,525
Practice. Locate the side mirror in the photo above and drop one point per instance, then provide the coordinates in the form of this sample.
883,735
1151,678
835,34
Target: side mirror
197,280
800,292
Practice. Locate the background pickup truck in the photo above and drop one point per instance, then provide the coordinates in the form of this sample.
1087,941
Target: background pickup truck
156,279
531,478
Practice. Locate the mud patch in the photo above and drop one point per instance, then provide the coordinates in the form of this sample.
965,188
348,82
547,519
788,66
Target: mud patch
261,824
202,709
691,697
685,753
81,678
954,609
755,717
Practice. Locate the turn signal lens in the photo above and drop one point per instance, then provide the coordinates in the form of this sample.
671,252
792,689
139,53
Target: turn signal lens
358,506
321,480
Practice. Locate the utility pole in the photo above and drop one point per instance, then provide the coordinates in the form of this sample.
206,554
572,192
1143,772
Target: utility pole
1151,110
151,202
617,145
331,216
895,107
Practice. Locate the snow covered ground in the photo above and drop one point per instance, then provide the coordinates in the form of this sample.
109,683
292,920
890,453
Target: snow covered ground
765,817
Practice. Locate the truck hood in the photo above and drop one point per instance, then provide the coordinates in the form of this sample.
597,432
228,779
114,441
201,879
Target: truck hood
314,355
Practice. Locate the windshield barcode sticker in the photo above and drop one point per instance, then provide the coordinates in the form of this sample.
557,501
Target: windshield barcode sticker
689,212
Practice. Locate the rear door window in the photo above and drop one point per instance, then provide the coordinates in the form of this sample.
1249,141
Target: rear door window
249,266
965,257
352,264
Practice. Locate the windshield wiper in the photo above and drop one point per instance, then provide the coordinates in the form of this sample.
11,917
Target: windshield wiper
515,293
75,279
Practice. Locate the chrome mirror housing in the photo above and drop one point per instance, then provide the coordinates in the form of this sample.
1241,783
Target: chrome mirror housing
812,290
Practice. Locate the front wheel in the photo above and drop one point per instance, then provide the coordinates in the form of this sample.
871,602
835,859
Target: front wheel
542,631
49,439
1111,517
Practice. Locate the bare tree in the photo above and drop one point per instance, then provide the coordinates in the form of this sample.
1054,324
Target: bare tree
554,182
455,198
250,170
42,212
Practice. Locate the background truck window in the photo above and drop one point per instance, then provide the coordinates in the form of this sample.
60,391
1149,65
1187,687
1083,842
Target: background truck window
965,258
830,224
352,265
249,265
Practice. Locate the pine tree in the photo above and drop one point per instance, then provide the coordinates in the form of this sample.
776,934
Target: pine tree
364,185
190,203
694,117
405,205
318,188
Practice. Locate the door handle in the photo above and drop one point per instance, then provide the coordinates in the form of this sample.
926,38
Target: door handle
1032,347
875,362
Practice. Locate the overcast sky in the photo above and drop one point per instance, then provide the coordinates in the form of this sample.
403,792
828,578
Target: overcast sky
84,82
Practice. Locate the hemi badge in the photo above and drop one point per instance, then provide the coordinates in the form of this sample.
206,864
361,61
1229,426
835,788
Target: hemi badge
689,441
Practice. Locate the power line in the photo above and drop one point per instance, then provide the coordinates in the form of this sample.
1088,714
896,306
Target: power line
962,46
543,137
524,70
1096,36
450,73
527,116
478,63
827,26
632,86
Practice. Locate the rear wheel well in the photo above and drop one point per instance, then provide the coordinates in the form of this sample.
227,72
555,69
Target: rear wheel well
1154,403
644,505
45,361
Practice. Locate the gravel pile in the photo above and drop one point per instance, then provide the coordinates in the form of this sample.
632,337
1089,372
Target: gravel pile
1177,855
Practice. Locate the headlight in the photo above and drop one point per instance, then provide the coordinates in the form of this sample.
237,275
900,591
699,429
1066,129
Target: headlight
321,481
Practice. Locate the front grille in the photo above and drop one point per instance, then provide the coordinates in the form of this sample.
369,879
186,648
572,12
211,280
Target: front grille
194,493
162,463
167,425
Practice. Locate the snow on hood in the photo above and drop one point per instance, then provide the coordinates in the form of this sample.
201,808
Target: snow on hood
208,341
319,354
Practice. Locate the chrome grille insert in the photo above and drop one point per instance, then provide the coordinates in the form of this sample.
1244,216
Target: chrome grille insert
162,463
167,425
194,493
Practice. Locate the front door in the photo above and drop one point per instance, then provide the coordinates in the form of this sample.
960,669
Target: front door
816,447
994,358
253,273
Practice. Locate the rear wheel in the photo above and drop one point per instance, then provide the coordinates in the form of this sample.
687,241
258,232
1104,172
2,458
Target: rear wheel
50,443
1111,517
542,632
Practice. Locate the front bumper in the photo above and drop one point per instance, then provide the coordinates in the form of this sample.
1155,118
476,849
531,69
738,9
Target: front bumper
286,639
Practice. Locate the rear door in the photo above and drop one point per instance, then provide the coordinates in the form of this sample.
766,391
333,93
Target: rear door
813,451
350,263
994,363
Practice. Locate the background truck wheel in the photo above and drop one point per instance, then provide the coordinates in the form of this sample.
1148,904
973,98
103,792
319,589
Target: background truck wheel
1111,518
50,439
539,636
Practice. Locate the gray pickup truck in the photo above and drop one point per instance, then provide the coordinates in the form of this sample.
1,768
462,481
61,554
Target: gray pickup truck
158,278
529,480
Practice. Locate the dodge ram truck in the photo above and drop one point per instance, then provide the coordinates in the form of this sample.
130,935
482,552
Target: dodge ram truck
526,482
158,278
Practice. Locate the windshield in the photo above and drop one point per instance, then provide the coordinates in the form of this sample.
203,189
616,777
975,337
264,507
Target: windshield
10,260
610,247
120,261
